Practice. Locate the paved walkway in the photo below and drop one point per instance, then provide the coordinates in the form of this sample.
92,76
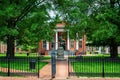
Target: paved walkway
45,72
35,78
61,70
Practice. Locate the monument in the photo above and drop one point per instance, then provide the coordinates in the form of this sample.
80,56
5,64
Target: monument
60,51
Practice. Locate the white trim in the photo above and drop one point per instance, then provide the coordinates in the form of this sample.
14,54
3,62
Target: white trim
47,45
56,40
68,40
100,49
59,30
107,50
76,41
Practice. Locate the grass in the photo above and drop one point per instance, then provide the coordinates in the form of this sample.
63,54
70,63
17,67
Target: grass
21,55
92,66
22,62
24,55
22,65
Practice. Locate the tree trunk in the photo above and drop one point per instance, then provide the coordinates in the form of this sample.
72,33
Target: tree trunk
113,44
10,39
10,46
113,49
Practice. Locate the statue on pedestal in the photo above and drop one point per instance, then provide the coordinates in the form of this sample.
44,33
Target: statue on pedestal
60,51
61,40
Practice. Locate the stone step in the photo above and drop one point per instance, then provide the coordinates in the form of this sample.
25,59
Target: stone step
65,52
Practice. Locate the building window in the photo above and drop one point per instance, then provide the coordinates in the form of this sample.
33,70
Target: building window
44,44
97,48
80,44
72,43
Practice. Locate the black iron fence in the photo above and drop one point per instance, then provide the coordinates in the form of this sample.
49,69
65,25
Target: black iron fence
93,66
20,66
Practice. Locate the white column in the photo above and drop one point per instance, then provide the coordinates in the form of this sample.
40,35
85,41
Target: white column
47,45
107,49
68,41
76,41
56,40
99,49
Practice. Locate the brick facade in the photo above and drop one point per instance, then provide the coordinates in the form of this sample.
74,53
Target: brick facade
3,48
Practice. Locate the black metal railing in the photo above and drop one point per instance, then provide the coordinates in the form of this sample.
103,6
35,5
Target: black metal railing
20,66
89,66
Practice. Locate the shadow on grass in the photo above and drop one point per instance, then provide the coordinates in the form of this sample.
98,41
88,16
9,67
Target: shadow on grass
78,74
4,74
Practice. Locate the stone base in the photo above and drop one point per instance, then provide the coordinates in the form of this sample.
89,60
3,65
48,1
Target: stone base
61,59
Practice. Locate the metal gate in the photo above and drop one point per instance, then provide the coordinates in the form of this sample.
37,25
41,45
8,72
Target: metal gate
53,65
27,64
49,70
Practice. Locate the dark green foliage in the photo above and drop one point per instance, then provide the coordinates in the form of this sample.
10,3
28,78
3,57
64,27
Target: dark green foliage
99,19
24,21
107,21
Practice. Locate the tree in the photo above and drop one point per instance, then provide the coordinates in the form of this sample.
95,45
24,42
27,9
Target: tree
74,13
23,20
99,19
107,21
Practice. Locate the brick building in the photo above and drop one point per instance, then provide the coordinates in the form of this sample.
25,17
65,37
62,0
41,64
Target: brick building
78,45
3,48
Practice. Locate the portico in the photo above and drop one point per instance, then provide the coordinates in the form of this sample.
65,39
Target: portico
62,38
65,36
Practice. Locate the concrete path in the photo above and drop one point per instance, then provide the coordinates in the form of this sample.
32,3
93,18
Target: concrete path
35,78
62,69
45,72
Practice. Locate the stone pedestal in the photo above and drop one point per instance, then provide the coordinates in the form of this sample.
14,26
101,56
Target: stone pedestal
60,53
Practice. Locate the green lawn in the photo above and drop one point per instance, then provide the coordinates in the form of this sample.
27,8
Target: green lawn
23,65
21,55
22,62
93,66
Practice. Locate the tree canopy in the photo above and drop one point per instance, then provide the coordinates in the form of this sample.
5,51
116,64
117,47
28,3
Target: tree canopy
99,19
24,21
28,21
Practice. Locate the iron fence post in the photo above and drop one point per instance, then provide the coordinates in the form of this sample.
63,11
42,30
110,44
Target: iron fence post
8,60
53,66
38,67
103,72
